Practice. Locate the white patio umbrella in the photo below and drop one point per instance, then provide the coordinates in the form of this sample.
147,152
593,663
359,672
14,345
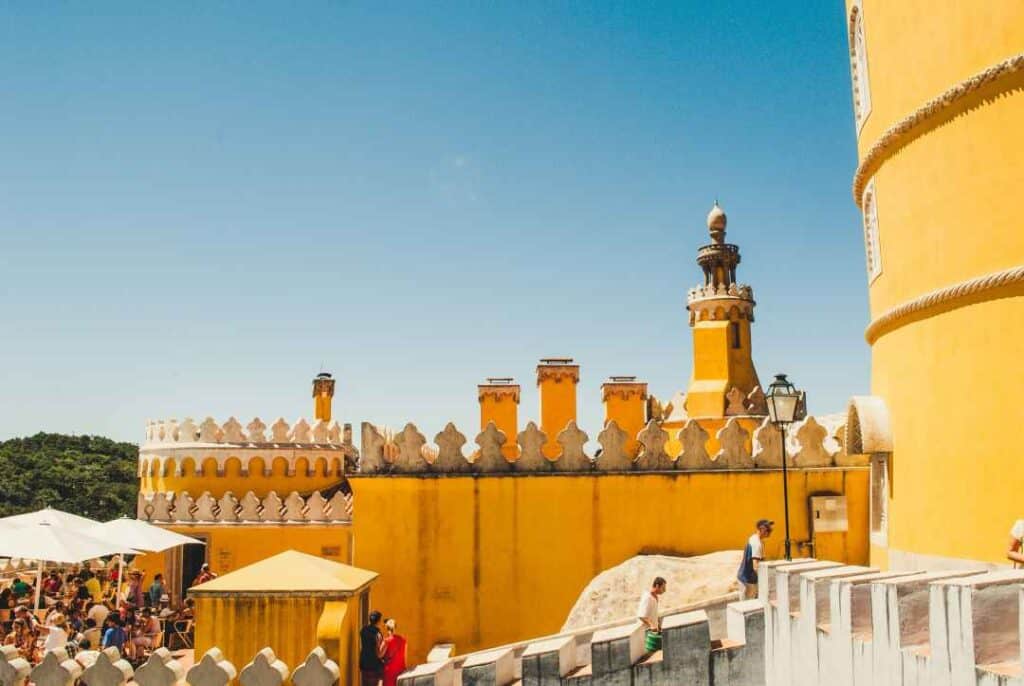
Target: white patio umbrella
47,542
139,535
49,515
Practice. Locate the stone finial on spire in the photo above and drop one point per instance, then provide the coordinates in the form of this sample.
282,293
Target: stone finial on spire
716,223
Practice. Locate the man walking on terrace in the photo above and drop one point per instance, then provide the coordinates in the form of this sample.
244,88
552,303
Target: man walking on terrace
371,652
753,553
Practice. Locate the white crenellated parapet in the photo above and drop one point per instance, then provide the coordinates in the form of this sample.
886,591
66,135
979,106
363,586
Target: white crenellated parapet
56,669
109,669
851,625
211,670
615,655
170,444
161,669
294,508
808,445
264,670
14,669
317,670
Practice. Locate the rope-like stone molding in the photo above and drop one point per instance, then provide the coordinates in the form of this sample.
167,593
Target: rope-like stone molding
899,134
892,319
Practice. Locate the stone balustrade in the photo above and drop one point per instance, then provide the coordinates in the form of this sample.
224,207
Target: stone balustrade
255,433
809,445
828,624
615,655
182,508
107,668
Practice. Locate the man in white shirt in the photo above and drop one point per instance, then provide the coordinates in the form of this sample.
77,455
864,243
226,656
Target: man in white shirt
1015,553
98,613
647,611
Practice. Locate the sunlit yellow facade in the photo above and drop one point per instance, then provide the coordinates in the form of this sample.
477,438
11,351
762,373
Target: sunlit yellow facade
939,111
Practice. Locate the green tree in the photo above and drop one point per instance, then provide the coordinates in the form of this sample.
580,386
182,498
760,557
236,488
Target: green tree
90,476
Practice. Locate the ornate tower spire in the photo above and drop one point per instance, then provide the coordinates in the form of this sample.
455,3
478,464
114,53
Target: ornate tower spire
721,311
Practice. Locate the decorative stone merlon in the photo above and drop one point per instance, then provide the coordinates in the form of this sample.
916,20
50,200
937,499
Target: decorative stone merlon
264,670
160,670
14,669
109,669
56,669
867,426
317,670
211,670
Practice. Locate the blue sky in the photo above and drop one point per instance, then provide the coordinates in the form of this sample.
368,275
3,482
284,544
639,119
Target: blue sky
201,203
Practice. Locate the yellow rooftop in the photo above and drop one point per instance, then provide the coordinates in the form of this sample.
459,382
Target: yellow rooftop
290,572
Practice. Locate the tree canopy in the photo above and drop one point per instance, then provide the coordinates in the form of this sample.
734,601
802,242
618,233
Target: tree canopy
91,476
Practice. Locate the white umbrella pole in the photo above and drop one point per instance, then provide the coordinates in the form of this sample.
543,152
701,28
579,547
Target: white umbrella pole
120,578
39,581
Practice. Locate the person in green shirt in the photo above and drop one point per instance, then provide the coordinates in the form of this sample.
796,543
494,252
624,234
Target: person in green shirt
19,588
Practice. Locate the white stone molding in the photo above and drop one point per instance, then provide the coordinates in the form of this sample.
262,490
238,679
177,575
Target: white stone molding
142,507
249,508
768,446
319,432
206,508
450,459
160,670
409,443
301,432
812,453
264,670
757,404
371,458
169,430
183,507
653,456
209,432
294,508
859,66
271,508
317,670
109,669
316,507
491,458
613,457
56,669
160,507
735,402
733,453
232,431
14,669
211,670
695,454
991,80
187,431
574,457
339,508
872,243
531,442
256,431
280,432
334,434
227,507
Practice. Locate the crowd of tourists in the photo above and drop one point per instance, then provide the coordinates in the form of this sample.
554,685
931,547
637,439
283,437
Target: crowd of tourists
81,612
382,652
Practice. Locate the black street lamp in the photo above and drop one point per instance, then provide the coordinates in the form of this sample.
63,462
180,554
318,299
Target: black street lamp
784,404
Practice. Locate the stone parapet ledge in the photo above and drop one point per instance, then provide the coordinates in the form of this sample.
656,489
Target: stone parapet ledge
810,446
490,668
231,432
182,508
546,663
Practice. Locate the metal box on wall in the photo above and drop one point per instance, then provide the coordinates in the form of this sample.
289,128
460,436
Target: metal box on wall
828,514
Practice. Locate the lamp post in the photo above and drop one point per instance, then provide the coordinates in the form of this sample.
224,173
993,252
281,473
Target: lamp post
784,402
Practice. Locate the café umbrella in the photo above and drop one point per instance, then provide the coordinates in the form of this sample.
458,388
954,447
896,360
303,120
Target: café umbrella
48,542
139,535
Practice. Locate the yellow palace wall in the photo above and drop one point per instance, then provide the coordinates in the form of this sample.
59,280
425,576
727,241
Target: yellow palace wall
949,209
481,561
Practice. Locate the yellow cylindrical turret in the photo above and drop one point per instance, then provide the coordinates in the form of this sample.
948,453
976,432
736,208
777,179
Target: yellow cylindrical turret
499,403
625,402
323,396
556,378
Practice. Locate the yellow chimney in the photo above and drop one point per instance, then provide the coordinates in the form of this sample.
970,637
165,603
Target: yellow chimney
499,403
323,395
556,378
625,401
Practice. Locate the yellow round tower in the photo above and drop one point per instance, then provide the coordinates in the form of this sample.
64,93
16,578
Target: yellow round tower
241,488
939,115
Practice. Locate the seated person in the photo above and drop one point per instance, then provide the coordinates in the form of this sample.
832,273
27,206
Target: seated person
91,633
52,584
98,613
19,588
114,635
148,630
23,638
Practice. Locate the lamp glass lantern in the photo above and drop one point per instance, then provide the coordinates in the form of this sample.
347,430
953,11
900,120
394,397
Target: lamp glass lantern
783,400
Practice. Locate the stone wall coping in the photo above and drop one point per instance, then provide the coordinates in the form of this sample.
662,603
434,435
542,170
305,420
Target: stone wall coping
427,669
487,657
617,632
928,577
598,473
871,577
838,572
550,645
776,564
681,619
747,607
999,578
